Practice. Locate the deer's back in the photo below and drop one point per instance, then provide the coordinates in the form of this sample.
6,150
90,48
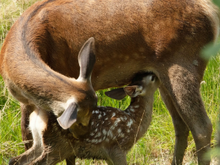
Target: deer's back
130,35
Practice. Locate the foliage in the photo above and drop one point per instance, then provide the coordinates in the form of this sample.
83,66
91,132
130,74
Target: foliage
217,2
213,48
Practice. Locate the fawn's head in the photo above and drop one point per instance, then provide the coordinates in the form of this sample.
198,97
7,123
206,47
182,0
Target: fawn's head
142,84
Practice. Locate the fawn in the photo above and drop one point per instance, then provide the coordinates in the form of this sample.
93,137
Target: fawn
111,131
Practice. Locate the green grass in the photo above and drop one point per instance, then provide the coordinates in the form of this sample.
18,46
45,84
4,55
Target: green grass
156,147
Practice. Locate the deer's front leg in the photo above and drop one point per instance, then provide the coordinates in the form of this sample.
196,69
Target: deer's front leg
181,129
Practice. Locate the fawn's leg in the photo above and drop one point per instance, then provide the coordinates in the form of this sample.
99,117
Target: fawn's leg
47,158
117,157
182,86
70,160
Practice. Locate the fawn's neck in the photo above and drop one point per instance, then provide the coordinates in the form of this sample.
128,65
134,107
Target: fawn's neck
140,109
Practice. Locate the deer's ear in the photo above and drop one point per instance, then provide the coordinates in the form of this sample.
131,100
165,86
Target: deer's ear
86,59
130,90
117,94
69,116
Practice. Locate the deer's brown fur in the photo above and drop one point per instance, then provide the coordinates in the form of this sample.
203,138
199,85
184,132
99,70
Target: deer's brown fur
164,37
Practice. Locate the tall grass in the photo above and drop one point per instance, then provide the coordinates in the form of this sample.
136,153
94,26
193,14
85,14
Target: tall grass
156,147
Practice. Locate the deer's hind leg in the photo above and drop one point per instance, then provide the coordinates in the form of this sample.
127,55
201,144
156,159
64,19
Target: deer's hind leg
38,124
26,110
58,144
181,92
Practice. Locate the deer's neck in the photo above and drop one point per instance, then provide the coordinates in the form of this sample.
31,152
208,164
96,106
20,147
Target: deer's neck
140,109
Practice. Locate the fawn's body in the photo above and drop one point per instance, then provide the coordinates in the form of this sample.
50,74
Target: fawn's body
111,131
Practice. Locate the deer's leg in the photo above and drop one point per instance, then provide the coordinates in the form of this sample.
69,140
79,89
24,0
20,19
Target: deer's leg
57,146
182,86
38,123
26,110
181,129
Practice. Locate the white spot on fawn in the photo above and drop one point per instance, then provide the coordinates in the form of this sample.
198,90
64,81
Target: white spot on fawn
136,106
98,135
131,109
103,138
110,134
121,135
94,141
112,127
113,114
130,123
116,122
104,132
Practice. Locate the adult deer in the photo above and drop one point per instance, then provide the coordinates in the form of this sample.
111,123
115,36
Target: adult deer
164,37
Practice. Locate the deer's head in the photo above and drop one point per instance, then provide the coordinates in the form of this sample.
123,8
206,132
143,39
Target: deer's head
79,108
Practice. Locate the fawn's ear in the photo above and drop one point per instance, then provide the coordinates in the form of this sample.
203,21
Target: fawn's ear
117,94
69,116
131,90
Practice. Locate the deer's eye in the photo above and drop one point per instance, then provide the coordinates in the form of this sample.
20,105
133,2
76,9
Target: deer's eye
153,78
